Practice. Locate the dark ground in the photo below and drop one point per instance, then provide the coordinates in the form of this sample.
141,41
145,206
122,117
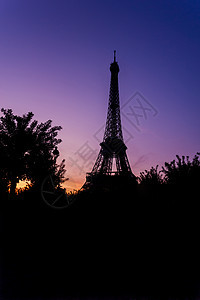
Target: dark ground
140,243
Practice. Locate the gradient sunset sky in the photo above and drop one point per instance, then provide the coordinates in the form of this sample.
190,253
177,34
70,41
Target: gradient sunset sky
55,58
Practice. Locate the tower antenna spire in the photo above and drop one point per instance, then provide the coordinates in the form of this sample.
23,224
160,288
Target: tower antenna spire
114,55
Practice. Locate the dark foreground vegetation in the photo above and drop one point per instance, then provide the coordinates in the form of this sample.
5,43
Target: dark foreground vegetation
125,241
118,244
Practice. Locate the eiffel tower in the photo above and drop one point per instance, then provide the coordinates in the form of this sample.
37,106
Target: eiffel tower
113,147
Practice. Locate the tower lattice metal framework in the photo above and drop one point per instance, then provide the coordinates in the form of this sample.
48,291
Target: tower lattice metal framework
113,146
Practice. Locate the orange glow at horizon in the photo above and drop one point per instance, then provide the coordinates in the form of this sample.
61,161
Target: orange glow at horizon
69,185
72,185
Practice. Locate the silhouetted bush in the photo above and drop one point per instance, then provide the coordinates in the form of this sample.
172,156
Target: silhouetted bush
182,170
153,176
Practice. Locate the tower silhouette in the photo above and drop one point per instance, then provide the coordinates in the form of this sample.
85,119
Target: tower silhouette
113,147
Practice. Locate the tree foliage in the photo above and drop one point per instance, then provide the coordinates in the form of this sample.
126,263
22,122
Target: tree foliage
182,170
153,176
179,171
28,150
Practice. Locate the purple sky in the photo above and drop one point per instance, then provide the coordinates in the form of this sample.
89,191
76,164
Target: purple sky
54,61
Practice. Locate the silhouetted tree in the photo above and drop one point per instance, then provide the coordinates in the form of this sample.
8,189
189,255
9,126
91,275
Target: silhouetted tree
28,150
153,176
182,171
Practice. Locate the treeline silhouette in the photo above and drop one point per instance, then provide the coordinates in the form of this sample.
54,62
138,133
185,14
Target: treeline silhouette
28,151
122,242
